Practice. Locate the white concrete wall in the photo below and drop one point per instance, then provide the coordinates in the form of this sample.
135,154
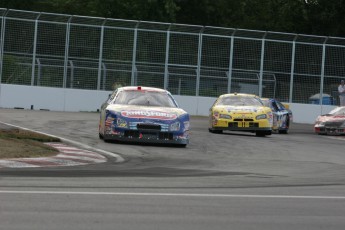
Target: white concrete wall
74,100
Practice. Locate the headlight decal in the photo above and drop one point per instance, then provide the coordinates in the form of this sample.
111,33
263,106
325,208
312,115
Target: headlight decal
261,116
186,125
175,126
225,116
121,123
109,118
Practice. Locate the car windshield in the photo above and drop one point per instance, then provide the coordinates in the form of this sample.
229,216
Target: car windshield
239,101
145,98
338,111
266,102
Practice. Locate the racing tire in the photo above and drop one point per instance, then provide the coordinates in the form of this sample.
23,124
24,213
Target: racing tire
106,140
259,133
215,131
285,131
263,133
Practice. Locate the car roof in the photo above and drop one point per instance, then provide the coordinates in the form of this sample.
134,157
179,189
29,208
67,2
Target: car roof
238,94
267,99
144,88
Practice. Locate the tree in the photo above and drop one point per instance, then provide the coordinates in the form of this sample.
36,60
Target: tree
319,17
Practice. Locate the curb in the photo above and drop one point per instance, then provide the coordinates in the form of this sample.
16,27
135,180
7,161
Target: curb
67,156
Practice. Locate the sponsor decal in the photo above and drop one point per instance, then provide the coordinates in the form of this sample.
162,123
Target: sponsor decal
109,121
148,114
243,110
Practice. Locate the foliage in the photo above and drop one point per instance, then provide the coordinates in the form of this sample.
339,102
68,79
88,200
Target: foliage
319,17
9,64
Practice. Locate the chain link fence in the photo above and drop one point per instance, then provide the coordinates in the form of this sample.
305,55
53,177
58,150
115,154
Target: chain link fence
54,50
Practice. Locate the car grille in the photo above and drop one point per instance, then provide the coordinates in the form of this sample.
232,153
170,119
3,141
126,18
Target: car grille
250,124
158,135
243,119
163,135
332,130
143,126
334,123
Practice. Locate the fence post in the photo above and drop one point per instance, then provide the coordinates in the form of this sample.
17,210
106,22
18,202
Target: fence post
231,58
100,57
2,42
72,74
199,63
104,74
262,63
39,69
68,27
34,51
292,72
166,69
322,71
134,55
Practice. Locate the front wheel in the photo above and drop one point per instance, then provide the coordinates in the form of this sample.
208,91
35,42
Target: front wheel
211,130
263,133
285,131
100,135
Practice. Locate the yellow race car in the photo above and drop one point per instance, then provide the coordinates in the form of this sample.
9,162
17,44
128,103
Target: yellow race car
240,112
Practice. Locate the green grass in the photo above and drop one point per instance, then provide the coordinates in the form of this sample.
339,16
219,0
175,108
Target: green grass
17,143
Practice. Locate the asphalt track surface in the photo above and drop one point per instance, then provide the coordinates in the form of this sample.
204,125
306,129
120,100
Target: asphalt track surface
219,181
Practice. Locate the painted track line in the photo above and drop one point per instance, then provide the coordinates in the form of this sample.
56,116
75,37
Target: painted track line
201,195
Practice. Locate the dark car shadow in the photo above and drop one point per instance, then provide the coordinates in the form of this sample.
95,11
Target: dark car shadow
145,144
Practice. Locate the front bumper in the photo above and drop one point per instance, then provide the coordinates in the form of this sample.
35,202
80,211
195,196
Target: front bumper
139,136
261,125
248,129
329,130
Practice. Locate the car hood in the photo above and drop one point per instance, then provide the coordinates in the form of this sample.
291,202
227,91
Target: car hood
243,109
159,113
325,118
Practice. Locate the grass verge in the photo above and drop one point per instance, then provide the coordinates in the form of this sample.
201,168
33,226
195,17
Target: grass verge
17,143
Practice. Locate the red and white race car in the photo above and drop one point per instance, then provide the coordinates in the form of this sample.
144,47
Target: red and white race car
331,123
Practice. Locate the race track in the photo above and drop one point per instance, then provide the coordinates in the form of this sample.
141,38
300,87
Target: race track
298,158
277,176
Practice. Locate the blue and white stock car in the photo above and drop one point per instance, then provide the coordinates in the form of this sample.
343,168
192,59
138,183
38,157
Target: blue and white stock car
143,115
282,116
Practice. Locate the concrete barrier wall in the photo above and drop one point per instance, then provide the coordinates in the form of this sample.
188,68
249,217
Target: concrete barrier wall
75,100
